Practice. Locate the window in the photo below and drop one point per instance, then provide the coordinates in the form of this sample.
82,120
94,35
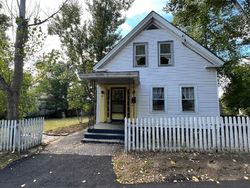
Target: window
140,54
158,101
165,53
188,99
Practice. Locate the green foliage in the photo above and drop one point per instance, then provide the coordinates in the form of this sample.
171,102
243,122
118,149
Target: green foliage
223,27
84,43
238,90
53,78
106,18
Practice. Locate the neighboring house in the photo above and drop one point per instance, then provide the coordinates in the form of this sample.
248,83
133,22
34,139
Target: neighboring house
156,71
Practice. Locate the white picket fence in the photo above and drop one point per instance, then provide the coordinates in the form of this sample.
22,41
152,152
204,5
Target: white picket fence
188,134
22,135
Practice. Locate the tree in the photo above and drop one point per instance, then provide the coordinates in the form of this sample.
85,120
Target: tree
13,88
103,29
54,78
84,42
223,27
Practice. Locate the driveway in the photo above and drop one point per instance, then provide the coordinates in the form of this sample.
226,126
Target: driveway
68,163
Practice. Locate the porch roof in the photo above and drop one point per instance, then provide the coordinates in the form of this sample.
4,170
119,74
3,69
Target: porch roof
125,77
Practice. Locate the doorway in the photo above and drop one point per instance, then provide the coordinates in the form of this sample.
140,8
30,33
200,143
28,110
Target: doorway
118,104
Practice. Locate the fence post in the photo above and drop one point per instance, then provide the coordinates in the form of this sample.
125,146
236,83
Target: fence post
126,135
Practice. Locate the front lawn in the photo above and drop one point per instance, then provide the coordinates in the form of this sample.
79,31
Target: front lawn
66,125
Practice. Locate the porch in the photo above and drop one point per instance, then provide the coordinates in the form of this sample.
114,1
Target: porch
115,100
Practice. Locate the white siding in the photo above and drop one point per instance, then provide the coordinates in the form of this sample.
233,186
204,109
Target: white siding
188,69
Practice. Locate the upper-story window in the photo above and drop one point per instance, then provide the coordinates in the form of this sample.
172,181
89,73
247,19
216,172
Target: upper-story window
165,53
140,54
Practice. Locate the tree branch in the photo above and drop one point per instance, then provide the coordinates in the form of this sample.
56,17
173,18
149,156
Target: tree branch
3,85
239,7
51,16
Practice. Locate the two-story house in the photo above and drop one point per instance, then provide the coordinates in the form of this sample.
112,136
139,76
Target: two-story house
156,70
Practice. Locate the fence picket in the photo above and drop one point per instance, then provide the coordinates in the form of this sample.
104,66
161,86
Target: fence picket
153,132
223,138
161,134
126,134
196,147
244,134
170,134
213,124
178,134
200,134
149,134
182,132
218,129
231,133
137,134
240,133
191,133
248,132
145,134
166,133
141,135
133,134
208,127
174,133
236,139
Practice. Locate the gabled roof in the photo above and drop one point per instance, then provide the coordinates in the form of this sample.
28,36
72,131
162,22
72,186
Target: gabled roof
212,58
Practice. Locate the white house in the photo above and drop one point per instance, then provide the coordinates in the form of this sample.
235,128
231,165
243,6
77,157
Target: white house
156,70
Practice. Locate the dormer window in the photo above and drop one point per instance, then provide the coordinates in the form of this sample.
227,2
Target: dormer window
140,54
165,53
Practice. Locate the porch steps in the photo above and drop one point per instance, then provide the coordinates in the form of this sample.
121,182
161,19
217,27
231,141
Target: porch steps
104,136
90,140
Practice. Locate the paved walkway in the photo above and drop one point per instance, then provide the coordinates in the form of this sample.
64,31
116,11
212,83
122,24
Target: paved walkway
67,163
72,145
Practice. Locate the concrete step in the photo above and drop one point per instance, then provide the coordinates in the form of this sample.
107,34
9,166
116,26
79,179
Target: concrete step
108,131
108,136
107,141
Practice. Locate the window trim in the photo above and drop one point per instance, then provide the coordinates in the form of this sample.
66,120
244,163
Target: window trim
146,53
171,42
195,99
165,100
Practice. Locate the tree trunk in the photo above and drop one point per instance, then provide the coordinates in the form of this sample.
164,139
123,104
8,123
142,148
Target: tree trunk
12,106
16,85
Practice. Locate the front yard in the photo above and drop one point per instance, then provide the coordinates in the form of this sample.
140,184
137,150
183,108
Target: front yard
135,168
67,125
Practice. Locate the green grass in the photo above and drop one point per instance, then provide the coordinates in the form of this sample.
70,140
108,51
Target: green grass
52,124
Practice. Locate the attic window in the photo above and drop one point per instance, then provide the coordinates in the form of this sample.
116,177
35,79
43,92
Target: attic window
152,26
140,54
165,53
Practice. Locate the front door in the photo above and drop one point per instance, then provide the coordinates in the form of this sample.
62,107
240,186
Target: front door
118,103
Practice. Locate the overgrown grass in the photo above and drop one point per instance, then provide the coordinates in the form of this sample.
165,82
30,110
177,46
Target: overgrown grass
53,124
